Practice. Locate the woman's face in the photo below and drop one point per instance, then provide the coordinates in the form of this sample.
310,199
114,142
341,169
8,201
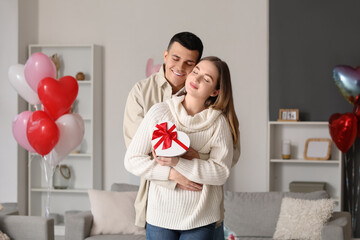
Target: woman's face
201,82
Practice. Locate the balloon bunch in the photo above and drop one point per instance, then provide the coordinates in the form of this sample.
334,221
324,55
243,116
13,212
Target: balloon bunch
343,130
345,127
52,132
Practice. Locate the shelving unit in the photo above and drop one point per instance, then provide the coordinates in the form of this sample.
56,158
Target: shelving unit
86,166
283,171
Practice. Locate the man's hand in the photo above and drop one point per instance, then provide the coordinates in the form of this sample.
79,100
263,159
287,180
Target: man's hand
166,161
183,182
190,154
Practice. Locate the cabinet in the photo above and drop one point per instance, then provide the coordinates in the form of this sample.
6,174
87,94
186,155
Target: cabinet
282,172
86,164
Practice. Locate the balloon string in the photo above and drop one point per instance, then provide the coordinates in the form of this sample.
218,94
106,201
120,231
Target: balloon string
353,188
347,180
357,189
49,172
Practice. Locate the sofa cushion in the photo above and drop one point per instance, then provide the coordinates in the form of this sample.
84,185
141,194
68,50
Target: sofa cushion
255,214
113,213
303,219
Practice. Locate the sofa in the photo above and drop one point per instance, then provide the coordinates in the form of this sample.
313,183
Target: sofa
248,215
27,227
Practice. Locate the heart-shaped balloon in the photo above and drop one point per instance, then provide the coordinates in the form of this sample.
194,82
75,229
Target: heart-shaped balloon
347,79
17,80
151,68
19,126
343,130
71,128
57,96
38,67
42,132
168,142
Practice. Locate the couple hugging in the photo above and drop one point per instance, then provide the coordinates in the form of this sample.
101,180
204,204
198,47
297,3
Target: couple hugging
182,197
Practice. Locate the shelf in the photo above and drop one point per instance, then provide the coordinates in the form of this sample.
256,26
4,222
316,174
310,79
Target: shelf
282,172
84,82
299,123
85,166
60,190
304,161
82,155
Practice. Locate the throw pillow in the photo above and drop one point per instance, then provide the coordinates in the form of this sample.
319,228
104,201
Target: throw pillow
3,236
113,213
303,219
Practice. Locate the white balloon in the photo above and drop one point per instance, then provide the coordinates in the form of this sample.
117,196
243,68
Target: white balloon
72,129
19,83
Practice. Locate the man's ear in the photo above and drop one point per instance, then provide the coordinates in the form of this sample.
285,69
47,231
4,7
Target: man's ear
214,93
165,55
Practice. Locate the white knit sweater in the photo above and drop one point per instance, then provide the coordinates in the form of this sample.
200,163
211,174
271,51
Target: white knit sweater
209,132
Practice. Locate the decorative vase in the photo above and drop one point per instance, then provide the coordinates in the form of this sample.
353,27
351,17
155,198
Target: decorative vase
61,177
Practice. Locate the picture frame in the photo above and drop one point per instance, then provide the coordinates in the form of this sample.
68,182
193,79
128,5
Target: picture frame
288,115
317,149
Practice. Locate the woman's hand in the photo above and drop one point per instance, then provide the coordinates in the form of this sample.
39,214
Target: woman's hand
166,161
190,154
182,182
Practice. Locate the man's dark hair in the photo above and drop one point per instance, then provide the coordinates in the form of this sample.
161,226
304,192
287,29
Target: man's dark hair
189,41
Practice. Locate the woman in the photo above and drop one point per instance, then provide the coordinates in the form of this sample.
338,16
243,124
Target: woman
206,114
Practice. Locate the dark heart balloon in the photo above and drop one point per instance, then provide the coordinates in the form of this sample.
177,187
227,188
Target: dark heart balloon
347,79
343,130
57,96
42,132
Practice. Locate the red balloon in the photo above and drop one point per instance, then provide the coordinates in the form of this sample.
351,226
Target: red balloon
343,130
42,132
57,96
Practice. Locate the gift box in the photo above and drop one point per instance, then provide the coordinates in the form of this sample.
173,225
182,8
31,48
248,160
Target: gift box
167,141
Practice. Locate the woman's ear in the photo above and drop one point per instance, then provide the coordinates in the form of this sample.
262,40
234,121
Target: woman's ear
214,93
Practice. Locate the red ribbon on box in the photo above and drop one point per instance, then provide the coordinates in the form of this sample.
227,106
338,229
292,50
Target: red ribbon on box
167,136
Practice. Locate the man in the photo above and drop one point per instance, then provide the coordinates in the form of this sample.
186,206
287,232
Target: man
183,53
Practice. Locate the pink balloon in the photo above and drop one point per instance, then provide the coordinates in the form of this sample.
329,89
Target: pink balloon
37,67
19,126
151,68
71,127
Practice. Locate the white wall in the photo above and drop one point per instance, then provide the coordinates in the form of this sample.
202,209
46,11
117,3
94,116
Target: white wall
8,100
130,32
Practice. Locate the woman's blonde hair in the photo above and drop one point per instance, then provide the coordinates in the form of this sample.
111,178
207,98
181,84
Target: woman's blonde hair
224,100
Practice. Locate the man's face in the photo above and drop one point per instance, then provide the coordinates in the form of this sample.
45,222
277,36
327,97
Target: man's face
179,62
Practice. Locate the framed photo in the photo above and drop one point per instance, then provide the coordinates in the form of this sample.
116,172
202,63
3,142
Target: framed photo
288,115
317,149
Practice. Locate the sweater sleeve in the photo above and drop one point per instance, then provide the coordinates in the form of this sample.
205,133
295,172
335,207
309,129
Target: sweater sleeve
137,158
216,169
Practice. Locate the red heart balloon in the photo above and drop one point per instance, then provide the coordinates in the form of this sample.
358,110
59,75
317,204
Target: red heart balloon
57,96
42,132
343,130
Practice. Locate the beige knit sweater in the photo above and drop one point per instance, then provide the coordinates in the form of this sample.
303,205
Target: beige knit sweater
209,132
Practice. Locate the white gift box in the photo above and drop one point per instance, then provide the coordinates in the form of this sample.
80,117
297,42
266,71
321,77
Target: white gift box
168,142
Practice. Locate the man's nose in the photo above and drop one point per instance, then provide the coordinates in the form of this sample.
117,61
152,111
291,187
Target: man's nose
181,65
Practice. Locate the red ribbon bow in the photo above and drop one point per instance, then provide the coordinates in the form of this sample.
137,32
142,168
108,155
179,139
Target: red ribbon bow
167,136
